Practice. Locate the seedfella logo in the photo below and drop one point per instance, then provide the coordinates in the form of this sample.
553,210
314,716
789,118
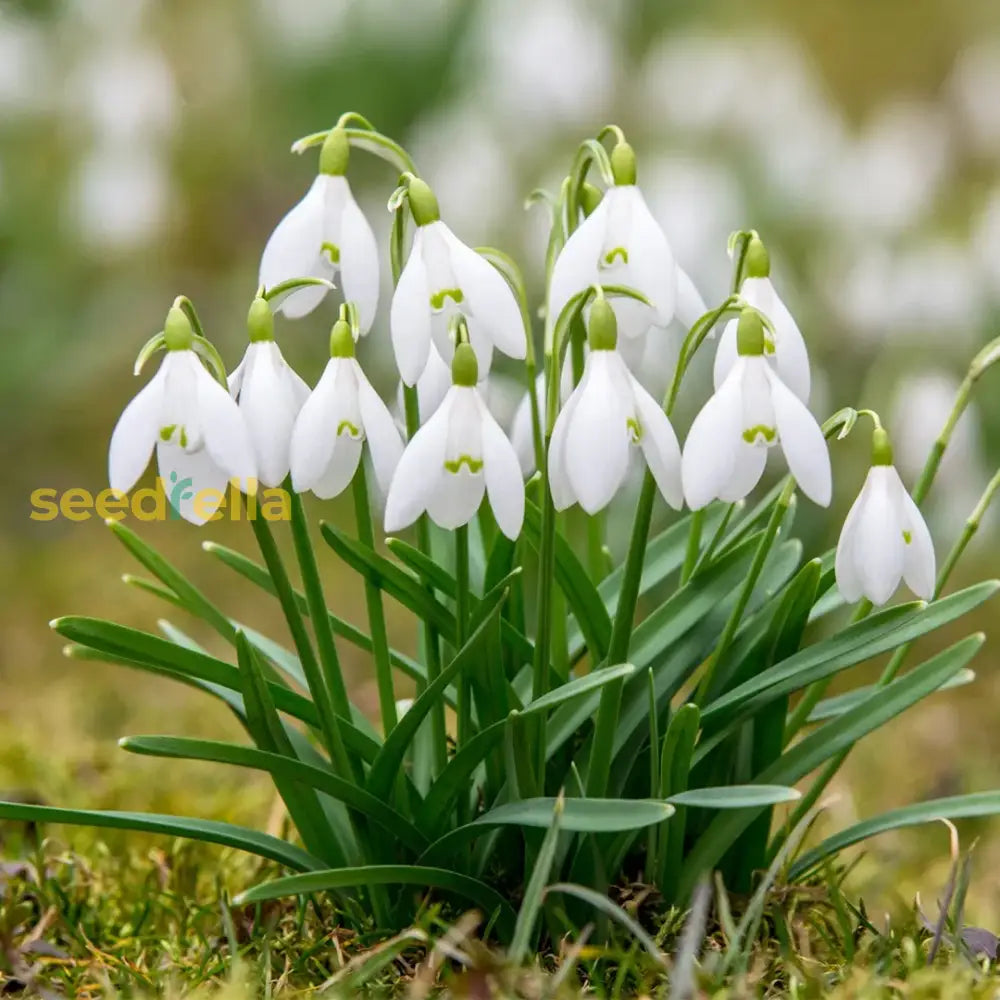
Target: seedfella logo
163,502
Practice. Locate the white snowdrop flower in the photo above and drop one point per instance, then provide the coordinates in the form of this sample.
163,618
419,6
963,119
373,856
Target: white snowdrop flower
620,243
784,349
342,413
752,411
608,413
443,278
459,455
269,394
325,236
197,429
885,538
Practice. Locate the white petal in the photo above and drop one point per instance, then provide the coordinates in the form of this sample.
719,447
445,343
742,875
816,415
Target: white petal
135,434
879,537
748,466
563,492
597,442
489,298
340,468
410,316
522,433
659,446
690,305
802,442
315,431
294,251
419,468
790,360
846,566
384,442
359,269
235,379
194,484
726,354
502,473
269,404
576,265
226,437
919,564
455,498
710,451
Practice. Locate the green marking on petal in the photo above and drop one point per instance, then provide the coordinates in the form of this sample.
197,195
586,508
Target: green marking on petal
474,464
609,257
184,437
634,429
346,427
907,537
438,298
769,347
332,251
166,433
769,434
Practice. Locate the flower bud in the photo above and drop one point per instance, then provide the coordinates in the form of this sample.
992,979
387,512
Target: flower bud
464,366
750,334
602,334
335,153
881,447
177,332
623,163
758,261
341,340
423,203
260,321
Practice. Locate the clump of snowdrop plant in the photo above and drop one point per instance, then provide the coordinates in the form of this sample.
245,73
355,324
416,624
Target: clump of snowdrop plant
570,719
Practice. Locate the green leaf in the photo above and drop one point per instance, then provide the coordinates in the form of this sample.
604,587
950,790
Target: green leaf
534,892
322,780
391,755
826,742
433,574
954,807
735,796
878,633
252,841
581,595
342,878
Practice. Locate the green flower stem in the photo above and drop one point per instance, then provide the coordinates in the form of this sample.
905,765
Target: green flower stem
693,545
332,739
713,543
316,602
376,611
736,615
461,630
432,647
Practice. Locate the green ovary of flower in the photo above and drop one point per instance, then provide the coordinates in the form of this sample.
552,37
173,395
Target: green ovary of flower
346,427
474,465
438,298
751,434
332,251
611,255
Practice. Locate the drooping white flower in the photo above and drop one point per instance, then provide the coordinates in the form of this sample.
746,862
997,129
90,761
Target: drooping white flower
443,278
885,538
459,455
620,243
270,395
607,413
325,236
199,434
752,411
785,349
342,413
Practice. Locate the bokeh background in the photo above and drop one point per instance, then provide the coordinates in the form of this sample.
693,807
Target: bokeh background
144,152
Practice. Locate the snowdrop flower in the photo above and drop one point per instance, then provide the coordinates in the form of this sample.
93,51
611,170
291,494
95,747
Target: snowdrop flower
323,236
784,349
752,411
270,396
443,279
885,538
457,456
342,413
196,427
607,413
620,243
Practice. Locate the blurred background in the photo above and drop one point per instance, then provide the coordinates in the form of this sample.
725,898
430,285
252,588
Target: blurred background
144,153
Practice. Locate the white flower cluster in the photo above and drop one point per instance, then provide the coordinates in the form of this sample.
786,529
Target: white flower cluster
452,307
